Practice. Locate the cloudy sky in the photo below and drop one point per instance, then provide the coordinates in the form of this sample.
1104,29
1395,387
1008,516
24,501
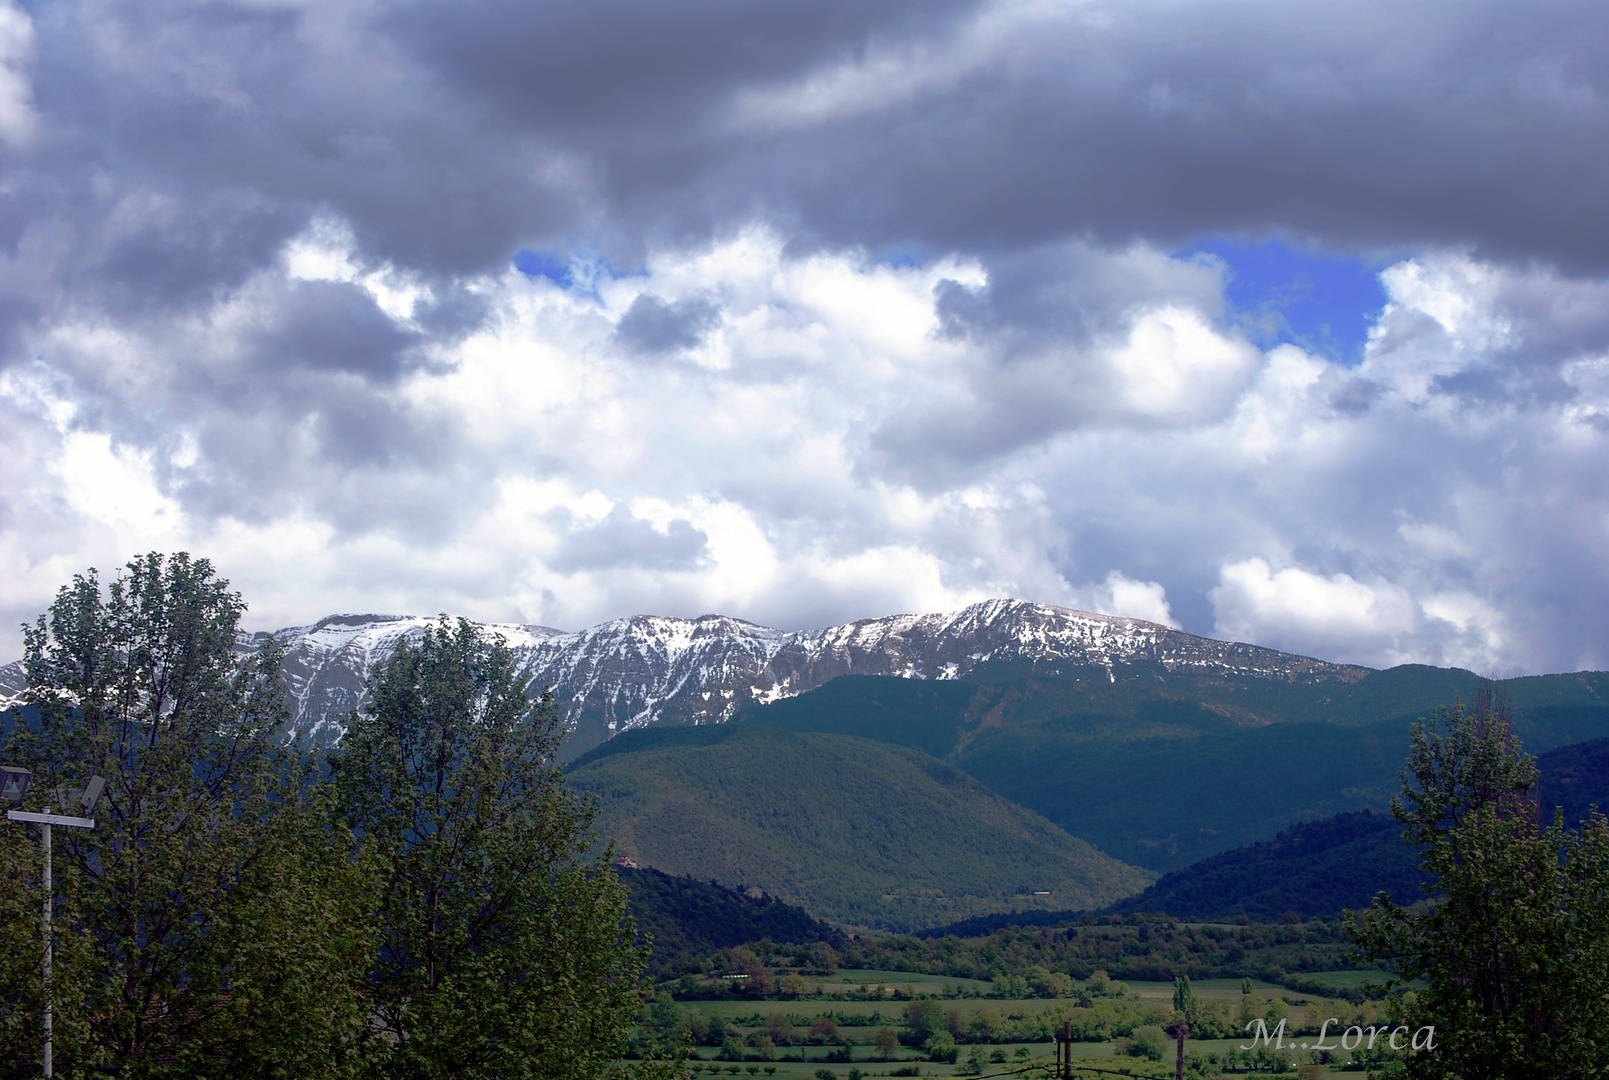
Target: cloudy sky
1280,321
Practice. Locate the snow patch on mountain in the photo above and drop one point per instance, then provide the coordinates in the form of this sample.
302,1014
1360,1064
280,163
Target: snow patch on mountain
650,669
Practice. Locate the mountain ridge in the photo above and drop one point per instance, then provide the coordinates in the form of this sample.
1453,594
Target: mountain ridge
644,670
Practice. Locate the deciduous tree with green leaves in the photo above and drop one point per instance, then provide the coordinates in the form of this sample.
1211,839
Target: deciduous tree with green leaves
1516,953
505,950
212,923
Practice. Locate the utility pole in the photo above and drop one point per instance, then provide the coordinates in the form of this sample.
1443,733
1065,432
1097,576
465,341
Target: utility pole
90,796
1064,1052
1179,1030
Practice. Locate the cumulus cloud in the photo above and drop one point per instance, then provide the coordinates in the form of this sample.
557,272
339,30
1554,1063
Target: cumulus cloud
622,540
854,308
1341,616
651,325
17,115
1120,595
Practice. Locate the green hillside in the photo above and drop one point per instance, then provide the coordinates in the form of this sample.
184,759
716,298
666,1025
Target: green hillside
861,832
1315,869
1575,779
687,919
1161,770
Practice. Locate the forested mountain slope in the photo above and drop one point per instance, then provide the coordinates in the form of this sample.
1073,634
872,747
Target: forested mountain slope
1314,870
860,832
1162,772
1575,778
686,918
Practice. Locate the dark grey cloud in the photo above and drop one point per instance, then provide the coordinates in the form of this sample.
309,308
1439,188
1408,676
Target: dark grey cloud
641,65
187,255
1051,156
1355,125
183,144
334,326
624,541
655,325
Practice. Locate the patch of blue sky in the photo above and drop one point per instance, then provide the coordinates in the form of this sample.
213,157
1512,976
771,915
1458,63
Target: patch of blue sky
902,258
544,264
1277,293
580,271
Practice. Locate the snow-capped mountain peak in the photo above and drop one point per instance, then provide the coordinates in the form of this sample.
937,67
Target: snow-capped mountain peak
648,669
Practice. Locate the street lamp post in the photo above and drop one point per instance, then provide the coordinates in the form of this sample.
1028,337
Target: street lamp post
13,785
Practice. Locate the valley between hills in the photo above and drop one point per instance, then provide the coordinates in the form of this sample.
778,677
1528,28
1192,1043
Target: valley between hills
844,845
917,770
907,823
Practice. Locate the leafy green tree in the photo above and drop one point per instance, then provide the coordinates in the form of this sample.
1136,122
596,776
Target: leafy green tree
1185,1002
505,952
1187,1013
924,1018
1147,1041
212,922
1516,955
887,1042
940,1046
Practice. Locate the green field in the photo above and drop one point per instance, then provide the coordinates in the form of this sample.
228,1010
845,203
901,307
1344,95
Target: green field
1220,989
749,1018
1347,980
855,978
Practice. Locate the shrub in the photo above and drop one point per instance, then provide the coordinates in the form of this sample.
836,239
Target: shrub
1147,1041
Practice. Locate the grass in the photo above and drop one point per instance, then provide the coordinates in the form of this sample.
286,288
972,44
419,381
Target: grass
1224,989
1347,980
786,1070
854,978
1103,1055
728,1009
890,1010
1021,1014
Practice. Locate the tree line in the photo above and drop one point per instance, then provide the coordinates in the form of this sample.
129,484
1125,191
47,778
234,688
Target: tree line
420,901
417,903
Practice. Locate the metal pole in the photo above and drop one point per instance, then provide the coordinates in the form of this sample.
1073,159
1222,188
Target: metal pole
49,905
45,821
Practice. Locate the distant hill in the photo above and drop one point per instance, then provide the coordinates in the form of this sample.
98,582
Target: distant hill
1314,869
1577,778
1319,868
688,919
1162,768
860,832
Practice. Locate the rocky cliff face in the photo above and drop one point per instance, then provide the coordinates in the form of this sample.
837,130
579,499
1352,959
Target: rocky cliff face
651,669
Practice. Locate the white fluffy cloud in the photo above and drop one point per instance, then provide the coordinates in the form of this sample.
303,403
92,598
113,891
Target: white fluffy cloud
1339,615
842,310
1358,513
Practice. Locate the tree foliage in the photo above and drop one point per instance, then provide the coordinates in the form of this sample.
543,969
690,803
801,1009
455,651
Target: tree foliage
504,951
211,922
1516,956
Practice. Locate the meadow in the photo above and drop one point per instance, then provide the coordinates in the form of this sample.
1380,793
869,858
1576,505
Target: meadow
833,1032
